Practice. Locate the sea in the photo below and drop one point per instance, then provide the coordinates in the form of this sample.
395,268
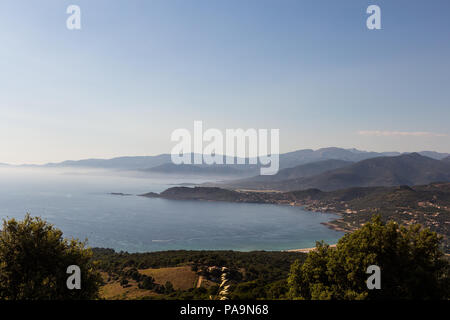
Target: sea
80,203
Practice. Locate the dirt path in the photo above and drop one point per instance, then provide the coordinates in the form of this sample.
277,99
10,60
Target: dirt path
199,282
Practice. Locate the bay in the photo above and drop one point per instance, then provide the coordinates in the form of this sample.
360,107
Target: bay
80,204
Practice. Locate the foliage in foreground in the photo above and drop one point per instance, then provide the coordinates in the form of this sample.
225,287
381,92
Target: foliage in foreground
255,275
34,258
33,262
411,262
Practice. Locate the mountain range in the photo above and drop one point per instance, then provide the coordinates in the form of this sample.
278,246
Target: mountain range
300,171
287,160
406,169
326,169
295,158
124,163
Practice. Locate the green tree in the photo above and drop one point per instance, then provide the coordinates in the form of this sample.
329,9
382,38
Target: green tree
412,265
148,283
33,262
168,287
123,282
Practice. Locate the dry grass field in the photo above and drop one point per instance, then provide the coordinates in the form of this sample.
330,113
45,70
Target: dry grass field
112,290
181,277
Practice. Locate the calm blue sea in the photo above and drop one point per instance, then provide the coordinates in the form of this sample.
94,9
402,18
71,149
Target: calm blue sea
78,203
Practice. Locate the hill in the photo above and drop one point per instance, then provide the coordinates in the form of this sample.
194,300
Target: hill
295,158
287,160
299,157
407,169
434,154
301,171
126,163
428,205
196,193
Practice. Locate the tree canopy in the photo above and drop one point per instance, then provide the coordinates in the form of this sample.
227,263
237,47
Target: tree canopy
412,265
34,258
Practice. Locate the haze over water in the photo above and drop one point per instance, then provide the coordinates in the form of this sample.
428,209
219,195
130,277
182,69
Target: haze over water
78,203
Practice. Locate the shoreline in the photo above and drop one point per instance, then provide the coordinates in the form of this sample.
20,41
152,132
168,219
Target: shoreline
209,197
332,225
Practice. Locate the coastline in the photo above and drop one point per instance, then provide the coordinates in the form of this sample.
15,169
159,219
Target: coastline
332,225
211,197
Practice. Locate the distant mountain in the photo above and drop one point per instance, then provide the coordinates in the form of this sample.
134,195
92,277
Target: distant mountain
135,163
292,159
434,155
185,169
295,158
407,169
128,163
287,160
446,159
301,171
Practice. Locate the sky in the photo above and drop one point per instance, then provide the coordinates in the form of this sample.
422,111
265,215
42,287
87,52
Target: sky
140,69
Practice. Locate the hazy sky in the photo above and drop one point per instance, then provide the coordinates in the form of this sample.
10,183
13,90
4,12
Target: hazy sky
137,70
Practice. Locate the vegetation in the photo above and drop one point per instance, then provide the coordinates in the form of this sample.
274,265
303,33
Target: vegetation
412,265
33,262
269,263
428,205
34,258
250,275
